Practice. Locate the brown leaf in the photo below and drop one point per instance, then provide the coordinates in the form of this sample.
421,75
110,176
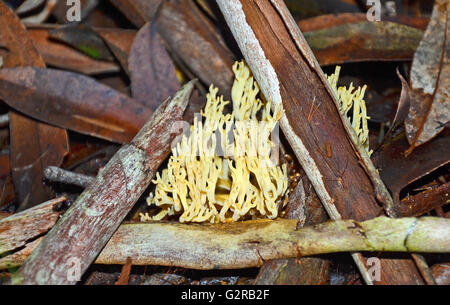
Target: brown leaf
153,75
196,42
83,38
34,145
62,56
137,11
119,42
430,80
397,171
29,5
73,101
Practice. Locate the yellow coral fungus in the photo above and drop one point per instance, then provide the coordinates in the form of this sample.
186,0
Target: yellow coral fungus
223,170
348,98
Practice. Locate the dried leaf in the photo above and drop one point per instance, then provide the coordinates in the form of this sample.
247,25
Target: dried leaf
402,109
397,171
42,15
137,11
196,42
307,8
153,75
62,56
430,80
29,5
83,38
119,42
441,273
34,145
125,274
73,101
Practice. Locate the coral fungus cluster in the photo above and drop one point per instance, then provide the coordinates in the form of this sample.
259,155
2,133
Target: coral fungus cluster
223,170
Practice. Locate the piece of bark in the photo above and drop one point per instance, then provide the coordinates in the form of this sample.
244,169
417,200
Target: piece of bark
287,72
326,21
34,145
125,274
251,243
93,218
441,273
304,206
17,229
425,201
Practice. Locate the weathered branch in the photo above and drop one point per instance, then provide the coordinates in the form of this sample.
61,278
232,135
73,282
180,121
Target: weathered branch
251,243
17,229
287,72
93,218
56,174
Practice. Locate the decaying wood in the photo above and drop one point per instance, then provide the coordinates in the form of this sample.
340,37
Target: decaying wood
304,206
56,174
251,243
92,219
425,201
348,184
18,229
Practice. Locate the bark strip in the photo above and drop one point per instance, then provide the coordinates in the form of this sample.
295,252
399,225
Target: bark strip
288,74
93,218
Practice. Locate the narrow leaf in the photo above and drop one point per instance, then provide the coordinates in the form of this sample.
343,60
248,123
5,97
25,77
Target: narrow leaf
73,101
153,75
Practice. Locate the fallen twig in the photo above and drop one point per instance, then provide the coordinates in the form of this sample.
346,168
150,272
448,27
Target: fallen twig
251,243
56,174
